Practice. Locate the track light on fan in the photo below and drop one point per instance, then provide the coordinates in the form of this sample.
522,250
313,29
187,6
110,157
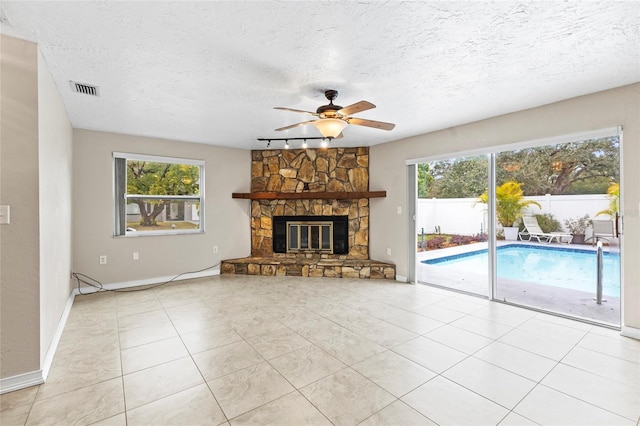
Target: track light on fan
330,127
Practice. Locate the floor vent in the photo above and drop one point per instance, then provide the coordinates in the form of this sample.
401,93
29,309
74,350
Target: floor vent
87,89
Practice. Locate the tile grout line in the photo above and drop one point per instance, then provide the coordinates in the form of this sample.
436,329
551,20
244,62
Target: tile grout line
357,294
573,396
198,368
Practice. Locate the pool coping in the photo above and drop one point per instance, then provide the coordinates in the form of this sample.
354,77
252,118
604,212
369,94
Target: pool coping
510,244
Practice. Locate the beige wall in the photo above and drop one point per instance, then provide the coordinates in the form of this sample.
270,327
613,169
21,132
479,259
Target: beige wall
19,241
54,151
226,220
35,163
610,108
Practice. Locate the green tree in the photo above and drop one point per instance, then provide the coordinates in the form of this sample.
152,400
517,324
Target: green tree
458,177
587,166
150,178
597,185
581,167
424,180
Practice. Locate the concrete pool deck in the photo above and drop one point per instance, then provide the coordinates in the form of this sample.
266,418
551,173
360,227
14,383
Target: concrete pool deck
559,300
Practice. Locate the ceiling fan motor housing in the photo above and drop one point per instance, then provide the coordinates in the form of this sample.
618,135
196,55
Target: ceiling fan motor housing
330,95
331,109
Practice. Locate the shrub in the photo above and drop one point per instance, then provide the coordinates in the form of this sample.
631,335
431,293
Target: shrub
478,238
466,240
579,225
509,202
613,193
436,242
548,223
457,239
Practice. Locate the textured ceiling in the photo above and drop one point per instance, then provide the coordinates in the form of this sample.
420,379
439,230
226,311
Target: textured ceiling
211,72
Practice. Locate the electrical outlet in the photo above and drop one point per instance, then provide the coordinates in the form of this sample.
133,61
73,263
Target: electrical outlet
136,255
399,210
215,249
103,260
388,251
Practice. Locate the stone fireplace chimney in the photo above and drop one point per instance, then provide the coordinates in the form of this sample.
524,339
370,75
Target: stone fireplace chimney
304,186
343,170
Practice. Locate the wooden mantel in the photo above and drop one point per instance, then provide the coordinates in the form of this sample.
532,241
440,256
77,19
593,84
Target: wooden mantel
308,195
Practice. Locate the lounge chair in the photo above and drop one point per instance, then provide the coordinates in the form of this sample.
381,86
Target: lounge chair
602,229
532,230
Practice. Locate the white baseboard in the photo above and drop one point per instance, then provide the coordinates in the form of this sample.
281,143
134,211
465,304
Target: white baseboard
149,281
632,332
401,278
33,378
53,346
21,381
38,377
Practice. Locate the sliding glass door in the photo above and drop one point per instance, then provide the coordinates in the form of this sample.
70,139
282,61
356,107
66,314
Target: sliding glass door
451,224
553,194
534,226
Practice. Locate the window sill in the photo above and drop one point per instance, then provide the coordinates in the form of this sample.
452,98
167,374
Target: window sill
132,234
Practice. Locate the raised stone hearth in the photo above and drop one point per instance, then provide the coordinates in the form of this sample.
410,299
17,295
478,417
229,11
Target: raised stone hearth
312,267
329,173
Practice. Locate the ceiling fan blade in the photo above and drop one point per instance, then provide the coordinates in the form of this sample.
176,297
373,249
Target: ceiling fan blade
372,123
304,123
295,110
357,107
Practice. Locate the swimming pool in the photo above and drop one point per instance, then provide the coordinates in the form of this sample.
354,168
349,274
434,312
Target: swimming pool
561,267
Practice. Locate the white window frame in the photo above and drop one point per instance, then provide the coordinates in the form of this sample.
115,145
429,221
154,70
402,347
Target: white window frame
156,159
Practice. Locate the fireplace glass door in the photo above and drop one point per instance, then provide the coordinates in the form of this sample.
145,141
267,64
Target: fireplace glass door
309,236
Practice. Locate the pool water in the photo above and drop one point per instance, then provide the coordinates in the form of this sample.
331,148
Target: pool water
567,268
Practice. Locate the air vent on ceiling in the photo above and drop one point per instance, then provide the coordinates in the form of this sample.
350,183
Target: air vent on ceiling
87,89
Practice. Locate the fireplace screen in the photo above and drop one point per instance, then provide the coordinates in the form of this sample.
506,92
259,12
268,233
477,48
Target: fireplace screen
310,236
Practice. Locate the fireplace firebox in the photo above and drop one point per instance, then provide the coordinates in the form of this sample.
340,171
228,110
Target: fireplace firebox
311,234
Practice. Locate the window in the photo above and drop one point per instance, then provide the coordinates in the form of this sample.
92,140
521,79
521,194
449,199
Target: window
157,195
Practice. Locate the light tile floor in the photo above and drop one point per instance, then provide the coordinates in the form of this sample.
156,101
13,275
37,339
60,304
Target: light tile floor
288,351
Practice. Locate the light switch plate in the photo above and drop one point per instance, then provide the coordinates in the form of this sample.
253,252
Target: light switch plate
5,215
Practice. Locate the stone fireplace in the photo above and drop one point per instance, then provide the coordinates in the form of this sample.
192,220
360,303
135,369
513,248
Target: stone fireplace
310,215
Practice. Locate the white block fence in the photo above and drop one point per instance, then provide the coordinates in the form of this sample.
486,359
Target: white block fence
465,216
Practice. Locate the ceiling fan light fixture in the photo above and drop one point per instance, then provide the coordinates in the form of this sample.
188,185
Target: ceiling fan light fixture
330,127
